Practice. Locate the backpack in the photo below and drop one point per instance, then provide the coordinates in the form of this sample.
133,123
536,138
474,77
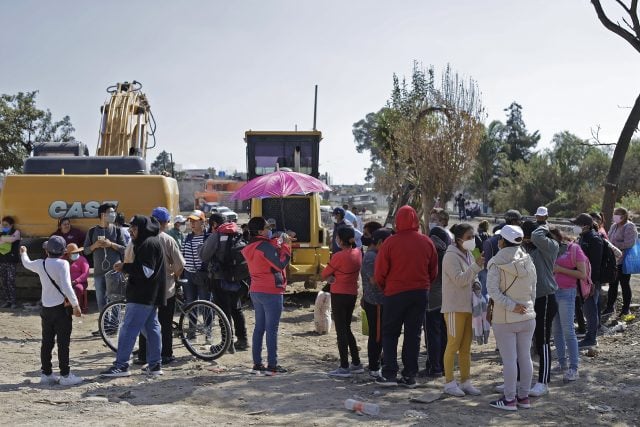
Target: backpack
229,258
609,264
584,285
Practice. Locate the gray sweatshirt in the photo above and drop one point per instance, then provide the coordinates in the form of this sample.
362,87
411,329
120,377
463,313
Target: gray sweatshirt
544,258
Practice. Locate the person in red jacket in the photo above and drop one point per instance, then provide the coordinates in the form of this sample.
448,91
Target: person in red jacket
267,261
406,264
344,267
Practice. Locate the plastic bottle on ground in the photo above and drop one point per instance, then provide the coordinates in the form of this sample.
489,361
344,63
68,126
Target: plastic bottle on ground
362,407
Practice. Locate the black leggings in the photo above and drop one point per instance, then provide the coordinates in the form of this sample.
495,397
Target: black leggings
374,344
342,306
546,308
56,325
624,281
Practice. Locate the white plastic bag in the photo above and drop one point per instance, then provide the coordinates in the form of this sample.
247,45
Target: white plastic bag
322,313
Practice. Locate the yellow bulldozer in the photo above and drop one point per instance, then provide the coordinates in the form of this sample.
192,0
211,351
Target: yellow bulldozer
60,180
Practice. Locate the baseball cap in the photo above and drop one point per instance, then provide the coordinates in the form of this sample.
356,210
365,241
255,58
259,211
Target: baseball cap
542,211
161,214
512,214
512,233
583,219
272,222
339,210
197,215
179,218
56,245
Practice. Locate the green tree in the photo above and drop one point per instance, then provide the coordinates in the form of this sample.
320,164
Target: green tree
22,124
487,165
518,142
629,176
162,165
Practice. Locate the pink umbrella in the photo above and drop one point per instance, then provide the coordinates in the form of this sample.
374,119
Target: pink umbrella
279,184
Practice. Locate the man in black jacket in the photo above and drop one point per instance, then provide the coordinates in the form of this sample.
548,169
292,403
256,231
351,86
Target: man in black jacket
145,291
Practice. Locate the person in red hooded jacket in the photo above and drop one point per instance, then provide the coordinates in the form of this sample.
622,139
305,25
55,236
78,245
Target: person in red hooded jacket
267,261
406,264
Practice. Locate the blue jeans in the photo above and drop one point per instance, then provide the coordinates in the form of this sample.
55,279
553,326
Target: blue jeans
268,309
100,284
139,318
591,308
196,287
564,333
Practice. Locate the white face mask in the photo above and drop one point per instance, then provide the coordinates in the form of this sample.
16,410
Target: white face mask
577,229
182,228
617,219
74,257
469,245
432,225
111,217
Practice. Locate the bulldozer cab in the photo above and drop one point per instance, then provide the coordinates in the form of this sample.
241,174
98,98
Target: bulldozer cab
299,152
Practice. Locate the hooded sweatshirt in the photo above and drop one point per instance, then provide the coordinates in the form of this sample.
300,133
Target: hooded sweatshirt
147,275
441,241
406,261
511,280
459,271
544,257
267,263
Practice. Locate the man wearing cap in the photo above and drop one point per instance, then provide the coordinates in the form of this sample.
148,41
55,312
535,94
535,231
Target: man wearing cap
593,246
56,319
174,264
542,214
178,230
339,222
197,286
145,291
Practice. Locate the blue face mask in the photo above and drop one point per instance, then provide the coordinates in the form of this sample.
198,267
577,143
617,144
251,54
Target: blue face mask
6,229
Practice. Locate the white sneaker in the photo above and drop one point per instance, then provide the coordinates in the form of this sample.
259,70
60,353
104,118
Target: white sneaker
375,374
453,389
49,379
70,380
571,375
538,390
468,388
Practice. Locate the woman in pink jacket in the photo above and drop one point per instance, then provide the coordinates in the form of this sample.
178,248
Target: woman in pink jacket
79,274
267,261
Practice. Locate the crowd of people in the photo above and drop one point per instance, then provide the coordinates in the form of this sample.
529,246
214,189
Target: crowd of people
525,280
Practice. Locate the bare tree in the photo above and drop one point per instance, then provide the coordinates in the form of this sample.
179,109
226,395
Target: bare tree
629,31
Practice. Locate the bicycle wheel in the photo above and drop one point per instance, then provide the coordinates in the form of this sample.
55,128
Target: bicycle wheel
110,321
205,330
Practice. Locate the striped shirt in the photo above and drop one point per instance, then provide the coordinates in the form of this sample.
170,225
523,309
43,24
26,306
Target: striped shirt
190,250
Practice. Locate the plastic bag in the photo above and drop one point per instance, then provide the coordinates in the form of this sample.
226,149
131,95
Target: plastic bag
365,323
631,261
322,313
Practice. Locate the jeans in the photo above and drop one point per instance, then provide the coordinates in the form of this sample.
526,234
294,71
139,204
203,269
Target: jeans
564,334
482,276
165,318
406,309
100,284
436,341
591,308
374,343
625,284
268,309
514,342
56,325
546,309
8,282
342,306
197,287
139,317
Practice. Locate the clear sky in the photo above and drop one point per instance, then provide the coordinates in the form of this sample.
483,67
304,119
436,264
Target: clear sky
213,69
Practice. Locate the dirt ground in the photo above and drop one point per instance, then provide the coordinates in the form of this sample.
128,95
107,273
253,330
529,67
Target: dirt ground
224,392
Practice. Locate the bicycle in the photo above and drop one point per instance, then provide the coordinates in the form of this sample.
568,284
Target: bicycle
196,326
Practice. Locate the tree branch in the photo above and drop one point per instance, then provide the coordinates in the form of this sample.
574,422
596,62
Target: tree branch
634,17
614,28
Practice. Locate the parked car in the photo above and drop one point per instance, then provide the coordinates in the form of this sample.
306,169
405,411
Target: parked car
210,208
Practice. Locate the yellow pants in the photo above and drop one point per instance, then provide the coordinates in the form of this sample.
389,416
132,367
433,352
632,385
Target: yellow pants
459,336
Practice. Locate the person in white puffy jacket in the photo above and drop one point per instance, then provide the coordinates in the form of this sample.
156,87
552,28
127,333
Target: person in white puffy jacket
511,283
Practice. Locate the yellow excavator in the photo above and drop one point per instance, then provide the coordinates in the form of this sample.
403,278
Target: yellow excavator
60,179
